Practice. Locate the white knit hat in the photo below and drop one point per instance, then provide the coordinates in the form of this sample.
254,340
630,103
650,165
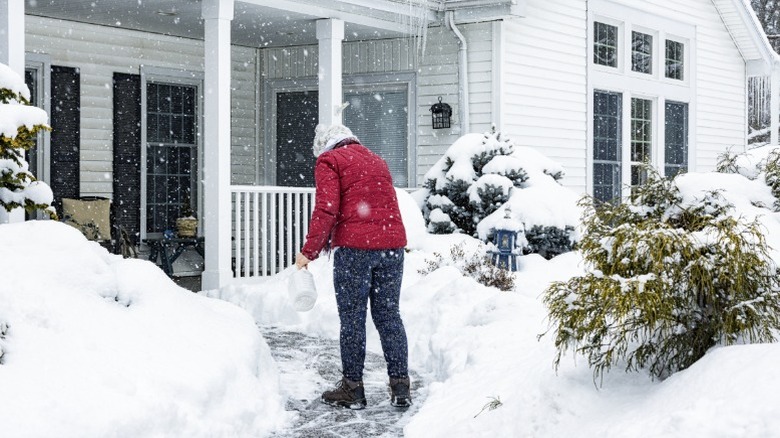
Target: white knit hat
326,137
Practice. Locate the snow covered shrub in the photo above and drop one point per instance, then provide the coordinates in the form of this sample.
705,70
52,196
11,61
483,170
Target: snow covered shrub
19,125
761,163
3,331
772,175
475,264
481,174
667,280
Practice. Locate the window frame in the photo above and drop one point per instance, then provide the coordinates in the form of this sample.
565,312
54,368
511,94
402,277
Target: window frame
633,84
620,43
616,47
686,138
671,39
41,65
653,51
160,75
618,162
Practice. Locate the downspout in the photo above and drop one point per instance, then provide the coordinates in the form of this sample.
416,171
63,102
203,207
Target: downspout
463,73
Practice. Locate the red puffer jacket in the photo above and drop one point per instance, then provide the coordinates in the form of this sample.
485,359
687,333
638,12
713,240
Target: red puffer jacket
355,203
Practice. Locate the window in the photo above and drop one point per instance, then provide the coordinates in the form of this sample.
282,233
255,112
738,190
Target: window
640,106
641,138
605,46
31,79
675,60
641,52
380,120
606,145
676,141
171,154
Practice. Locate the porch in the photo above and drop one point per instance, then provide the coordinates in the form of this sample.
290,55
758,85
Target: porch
249,230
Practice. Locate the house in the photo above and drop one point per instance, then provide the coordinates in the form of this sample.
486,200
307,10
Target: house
154,101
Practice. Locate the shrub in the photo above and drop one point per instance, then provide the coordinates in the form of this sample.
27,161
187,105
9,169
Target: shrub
476,265
3,332
665,282
18,187
481,174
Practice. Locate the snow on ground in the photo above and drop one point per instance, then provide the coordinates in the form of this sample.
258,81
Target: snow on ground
475,346
99,346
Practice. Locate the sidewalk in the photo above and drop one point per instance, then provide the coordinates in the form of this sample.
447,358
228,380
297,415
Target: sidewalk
308,363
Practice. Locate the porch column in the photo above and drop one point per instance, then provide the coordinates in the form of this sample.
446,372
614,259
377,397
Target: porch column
330,34
217,15
12,54
774,104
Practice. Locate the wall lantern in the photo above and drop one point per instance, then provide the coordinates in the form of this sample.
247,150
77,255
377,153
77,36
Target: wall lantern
505,253
441,113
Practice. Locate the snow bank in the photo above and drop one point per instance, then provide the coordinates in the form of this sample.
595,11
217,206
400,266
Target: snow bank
477,348
100,346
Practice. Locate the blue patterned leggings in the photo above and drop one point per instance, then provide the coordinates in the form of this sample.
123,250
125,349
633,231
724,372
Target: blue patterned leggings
375,275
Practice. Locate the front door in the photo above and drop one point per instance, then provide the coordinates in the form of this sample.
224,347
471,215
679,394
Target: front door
296,117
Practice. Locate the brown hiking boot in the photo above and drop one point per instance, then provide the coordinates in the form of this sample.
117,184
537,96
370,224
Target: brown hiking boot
400,396
347,394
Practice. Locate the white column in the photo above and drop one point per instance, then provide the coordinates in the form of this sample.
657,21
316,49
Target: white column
330,34
217,15
12,54
12,34
774,105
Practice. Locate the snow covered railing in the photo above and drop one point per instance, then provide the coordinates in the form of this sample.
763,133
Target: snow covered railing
269,227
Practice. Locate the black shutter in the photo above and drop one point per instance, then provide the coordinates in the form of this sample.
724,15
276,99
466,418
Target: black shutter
65,134
127,152
296,115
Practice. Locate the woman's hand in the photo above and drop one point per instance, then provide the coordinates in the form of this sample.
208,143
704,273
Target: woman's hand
301,260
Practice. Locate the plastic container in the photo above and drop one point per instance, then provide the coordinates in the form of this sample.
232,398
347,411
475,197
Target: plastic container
303,292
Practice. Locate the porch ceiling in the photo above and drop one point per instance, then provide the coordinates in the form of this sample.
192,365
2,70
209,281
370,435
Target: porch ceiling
254,24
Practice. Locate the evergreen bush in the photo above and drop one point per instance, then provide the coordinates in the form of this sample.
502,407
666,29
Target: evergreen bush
665,282
475,178
18,187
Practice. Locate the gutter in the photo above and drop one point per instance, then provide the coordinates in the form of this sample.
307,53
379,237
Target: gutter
463,74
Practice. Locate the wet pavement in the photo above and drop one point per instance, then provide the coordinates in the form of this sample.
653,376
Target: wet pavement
310,365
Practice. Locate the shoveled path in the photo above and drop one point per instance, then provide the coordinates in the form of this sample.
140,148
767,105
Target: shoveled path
310,365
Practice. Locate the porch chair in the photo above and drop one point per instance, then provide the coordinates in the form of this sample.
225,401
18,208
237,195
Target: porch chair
94,217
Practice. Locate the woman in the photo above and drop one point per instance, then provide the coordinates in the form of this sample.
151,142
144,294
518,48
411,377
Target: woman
356,212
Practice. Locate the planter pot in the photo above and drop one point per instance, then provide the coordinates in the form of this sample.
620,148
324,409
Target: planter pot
186,226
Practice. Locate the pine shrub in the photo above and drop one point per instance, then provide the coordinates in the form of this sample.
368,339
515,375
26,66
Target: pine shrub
15,178
473,181
665,282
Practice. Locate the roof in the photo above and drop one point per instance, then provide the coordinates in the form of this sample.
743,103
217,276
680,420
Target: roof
747,33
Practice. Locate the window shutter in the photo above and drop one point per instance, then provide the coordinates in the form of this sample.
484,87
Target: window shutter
66,133
127,152
296,118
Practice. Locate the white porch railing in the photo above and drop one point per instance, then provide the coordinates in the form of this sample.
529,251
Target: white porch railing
269,227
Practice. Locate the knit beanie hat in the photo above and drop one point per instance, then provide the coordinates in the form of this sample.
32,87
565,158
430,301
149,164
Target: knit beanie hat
326,137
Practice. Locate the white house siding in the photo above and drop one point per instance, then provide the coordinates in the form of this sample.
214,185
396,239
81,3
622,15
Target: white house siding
437,77
544,93
244,115
720,79
98,52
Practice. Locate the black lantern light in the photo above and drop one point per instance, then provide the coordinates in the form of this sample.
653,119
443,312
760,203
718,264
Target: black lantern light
441,113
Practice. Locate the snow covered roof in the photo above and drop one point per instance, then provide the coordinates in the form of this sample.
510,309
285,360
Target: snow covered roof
747,33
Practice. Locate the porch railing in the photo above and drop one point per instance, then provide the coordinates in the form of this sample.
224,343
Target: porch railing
269,227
